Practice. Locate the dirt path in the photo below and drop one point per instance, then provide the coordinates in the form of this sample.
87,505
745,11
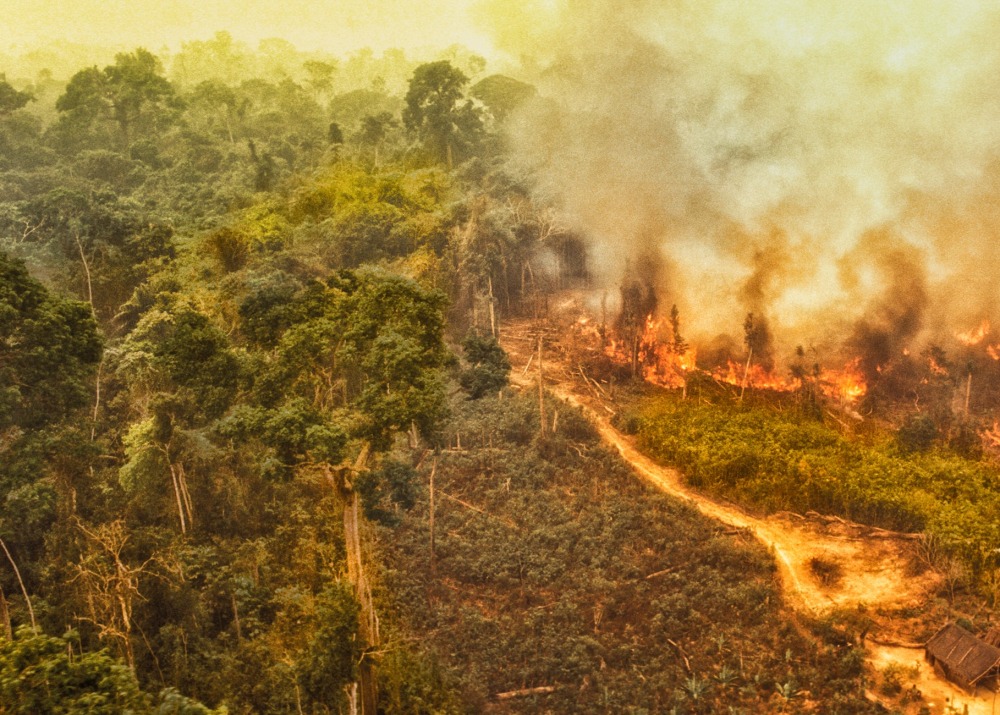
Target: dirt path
874,565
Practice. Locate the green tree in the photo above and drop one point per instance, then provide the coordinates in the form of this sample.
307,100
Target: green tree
132,93
320,76
217,102
107,244
359,363
502,95
489,366
436,114
374,131
49,347
11,99
42,675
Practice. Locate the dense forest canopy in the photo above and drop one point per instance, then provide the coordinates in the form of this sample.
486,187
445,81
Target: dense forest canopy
226,281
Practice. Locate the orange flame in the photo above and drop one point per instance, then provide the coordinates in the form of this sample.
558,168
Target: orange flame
661,365
846,385
974,336
659,362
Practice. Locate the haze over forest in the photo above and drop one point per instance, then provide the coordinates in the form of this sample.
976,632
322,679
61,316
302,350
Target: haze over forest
318,322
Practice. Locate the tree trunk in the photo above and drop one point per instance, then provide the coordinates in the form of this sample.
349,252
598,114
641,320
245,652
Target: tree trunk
433,472
177,495
86,272
368,623
493,317
20,582
541,393
746,372
97,399
5,616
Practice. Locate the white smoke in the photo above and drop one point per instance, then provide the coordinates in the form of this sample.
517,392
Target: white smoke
727,135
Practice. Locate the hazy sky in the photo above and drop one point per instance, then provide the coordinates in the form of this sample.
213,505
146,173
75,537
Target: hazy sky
333,25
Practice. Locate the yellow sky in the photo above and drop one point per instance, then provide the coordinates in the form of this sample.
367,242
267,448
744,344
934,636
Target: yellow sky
332,25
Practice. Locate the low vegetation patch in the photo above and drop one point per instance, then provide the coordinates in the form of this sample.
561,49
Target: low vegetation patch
776,460
559,582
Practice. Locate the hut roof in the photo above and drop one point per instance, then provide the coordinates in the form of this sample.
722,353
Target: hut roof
993,636
964,657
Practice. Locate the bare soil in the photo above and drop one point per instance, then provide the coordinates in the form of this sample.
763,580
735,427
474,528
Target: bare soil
876,570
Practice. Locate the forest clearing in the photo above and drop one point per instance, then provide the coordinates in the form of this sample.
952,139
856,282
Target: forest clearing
875,567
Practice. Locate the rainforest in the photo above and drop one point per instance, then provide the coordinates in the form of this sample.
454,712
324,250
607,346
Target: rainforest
574,359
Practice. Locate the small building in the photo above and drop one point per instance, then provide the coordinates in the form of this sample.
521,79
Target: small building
993,636
963,658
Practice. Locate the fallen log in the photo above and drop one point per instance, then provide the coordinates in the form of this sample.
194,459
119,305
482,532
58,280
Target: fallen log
525,692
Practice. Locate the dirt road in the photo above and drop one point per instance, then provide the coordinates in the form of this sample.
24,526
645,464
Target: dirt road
874,566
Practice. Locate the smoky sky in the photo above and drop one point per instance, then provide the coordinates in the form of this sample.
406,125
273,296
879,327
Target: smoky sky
758,146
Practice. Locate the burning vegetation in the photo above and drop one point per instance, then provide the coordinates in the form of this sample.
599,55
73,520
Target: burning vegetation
882,370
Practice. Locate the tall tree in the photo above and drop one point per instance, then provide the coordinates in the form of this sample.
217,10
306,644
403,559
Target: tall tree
132,93
436,114
358,364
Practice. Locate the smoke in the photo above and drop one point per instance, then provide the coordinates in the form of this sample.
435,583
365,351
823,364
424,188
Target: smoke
830,166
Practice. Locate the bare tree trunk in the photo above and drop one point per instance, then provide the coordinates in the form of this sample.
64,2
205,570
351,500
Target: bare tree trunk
541,393
433,472
968,393
5,614
177,495
352,699
182,481
20,582
86,272
493,317
746,372
97,399
368,623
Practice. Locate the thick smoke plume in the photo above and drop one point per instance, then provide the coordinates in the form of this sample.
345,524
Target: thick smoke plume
830,166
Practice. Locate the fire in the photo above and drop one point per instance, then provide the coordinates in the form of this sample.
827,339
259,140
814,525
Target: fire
935,367
756,376
975,336
658,360
846,385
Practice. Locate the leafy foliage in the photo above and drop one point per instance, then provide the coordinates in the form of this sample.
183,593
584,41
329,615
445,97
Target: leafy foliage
488,366
776,461
42,675
48,349
436,114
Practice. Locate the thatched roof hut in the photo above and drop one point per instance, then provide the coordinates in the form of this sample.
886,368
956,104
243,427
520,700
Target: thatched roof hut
964,659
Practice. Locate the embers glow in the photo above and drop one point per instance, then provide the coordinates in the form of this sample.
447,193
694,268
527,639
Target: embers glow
847,384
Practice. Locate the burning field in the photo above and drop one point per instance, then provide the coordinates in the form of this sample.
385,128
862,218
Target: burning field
955,393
